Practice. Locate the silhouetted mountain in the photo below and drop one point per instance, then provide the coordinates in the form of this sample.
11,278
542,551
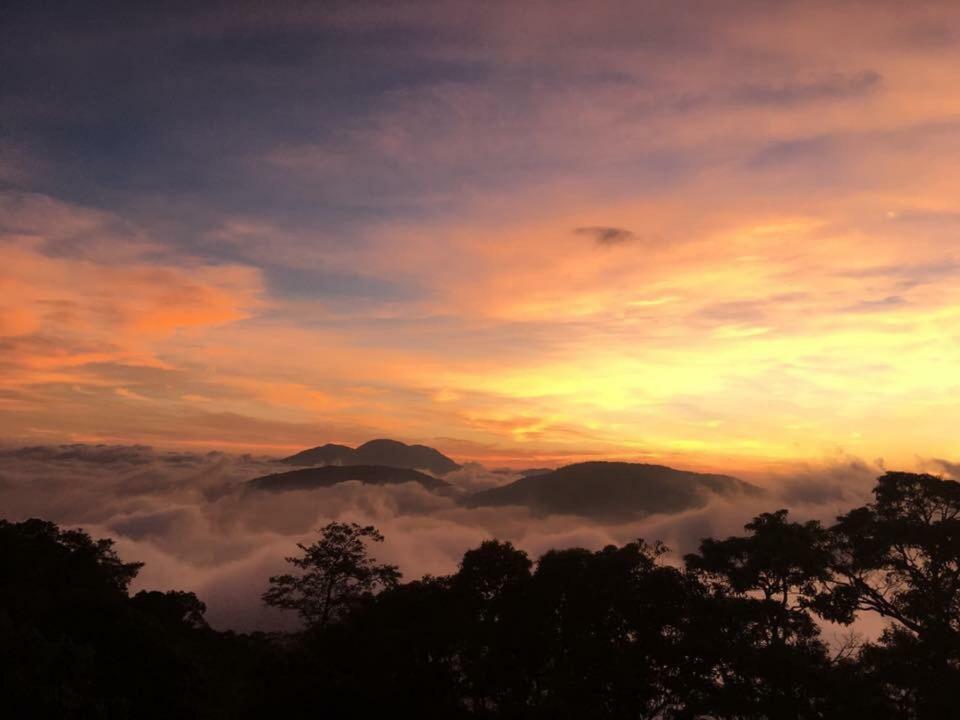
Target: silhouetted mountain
530,472
611,490
390,453
328,475
526,472
329,454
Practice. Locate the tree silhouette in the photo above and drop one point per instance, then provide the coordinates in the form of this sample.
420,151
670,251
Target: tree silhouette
489,590
336,573
76,645
610,635
173,608
613,633
780,564
900,557
756,638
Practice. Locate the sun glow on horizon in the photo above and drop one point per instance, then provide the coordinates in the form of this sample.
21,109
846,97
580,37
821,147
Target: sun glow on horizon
519,247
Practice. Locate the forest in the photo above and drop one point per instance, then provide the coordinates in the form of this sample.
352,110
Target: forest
736,630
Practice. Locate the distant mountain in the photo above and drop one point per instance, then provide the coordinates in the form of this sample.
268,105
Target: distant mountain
329,454
388,453
534,471
612,490
329,475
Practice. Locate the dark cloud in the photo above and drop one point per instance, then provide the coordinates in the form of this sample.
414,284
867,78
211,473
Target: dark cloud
906,276
103,454
842,484
788,93
805,151
925,272
868,306
833,87
604,235
754,310
351,287
736,310
952,469
927,34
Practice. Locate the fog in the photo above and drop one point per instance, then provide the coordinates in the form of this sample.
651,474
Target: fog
189,517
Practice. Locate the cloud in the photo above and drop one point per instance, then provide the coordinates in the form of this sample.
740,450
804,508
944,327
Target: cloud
841,483
866,306
189,517
342,251
831,87
472,477
909,274
952,469
604,235
100,454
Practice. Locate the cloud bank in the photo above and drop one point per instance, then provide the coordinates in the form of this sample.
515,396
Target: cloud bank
189,517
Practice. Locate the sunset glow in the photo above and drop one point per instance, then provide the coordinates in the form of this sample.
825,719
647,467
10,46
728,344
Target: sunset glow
725,237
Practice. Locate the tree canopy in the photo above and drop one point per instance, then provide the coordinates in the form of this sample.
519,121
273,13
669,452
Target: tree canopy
733,632
335,573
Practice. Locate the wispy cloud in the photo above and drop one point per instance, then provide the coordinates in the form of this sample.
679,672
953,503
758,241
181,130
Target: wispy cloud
607,235
626,229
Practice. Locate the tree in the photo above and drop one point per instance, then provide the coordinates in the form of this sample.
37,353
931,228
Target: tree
756,636
899,557
76,645
45,556
174,608
489,591
609,630
493,569
336,574
780,563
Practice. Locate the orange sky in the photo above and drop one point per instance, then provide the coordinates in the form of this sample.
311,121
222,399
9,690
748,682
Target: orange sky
716,239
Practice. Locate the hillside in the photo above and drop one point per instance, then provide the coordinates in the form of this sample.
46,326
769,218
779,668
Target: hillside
320,477
389,453
612,490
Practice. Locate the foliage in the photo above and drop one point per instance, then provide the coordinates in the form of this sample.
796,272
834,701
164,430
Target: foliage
336,574
620,632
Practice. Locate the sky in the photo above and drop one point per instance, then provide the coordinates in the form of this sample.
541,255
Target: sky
710,234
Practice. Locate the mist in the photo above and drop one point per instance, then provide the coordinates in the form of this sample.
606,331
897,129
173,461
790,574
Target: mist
190,518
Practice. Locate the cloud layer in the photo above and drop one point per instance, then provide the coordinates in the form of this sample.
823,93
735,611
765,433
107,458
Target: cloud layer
259,231
189,518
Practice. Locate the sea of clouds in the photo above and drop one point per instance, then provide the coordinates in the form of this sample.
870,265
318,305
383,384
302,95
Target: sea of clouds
188,516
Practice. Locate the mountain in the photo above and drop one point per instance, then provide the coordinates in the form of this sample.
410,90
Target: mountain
612,490
329,454
534,471
388,453
328,475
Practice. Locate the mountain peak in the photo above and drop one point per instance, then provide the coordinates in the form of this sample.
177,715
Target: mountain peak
381,451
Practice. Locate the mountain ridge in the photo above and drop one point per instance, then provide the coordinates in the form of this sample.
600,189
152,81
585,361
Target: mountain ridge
329,475
612,490
381,452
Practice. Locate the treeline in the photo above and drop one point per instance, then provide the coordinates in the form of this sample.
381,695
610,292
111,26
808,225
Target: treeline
735,633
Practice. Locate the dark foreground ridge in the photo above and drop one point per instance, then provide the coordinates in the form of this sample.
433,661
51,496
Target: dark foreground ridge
730,632
612,490
329,475
390,453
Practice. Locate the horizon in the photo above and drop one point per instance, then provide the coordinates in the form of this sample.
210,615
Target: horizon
765,474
